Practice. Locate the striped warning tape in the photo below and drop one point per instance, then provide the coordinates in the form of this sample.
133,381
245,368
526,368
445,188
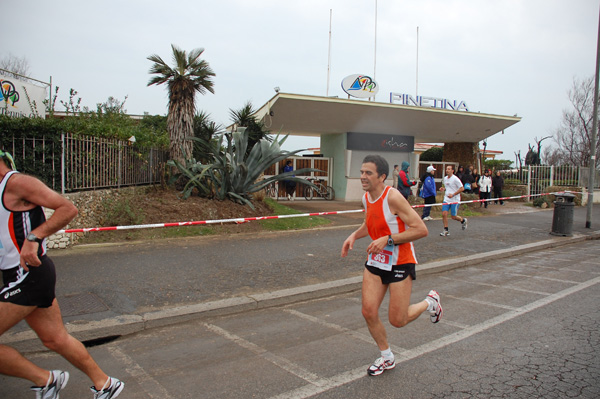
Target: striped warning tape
251,219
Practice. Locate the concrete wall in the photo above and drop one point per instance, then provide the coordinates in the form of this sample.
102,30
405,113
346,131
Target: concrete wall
595,198
333,146
91,206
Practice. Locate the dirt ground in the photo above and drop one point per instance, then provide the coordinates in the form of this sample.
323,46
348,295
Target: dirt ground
163,205
157,205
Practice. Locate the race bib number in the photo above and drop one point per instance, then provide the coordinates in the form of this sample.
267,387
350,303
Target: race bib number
382,260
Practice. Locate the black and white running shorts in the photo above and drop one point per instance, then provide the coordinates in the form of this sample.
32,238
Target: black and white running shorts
36,288
397,274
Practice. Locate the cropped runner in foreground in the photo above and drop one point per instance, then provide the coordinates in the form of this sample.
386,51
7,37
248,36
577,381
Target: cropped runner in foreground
29,279
393,225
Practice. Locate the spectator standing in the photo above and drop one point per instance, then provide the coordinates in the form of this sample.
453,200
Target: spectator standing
395,174
404,182
290,186
498,185
485,188
475,185
428,191
460,172
467,181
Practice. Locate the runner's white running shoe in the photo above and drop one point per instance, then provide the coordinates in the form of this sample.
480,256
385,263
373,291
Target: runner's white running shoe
435,314
52,389
464,224
111,389
445,233
380,365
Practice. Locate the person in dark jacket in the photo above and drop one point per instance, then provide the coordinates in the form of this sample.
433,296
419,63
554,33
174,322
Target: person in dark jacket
460,172
404,182
290,186
428,191
498,185
475,185
467,181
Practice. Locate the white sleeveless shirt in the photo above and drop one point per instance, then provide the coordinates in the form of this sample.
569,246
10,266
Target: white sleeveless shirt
14,227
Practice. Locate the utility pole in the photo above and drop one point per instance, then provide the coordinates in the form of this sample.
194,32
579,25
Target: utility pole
592,162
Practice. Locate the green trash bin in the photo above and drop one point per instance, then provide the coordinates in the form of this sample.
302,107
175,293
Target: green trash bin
562,221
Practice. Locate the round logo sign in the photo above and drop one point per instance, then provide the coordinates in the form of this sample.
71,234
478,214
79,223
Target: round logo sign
360,86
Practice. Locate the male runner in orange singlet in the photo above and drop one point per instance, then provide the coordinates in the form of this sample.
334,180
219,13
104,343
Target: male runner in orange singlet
393,225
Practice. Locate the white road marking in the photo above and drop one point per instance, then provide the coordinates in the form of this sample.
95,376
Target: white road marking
485,303
353,375
355,334
152,387
498,286
279,361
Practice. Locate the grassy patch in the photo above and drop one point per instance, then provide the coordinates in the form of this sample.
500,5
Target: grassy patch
296,223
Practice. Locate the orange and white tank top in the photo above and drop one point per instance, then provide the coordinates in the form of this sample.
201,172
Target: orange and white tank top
381,222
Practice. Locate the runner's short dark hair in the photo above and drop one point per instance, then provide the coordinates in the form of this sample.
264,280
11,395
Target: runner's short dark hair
383,168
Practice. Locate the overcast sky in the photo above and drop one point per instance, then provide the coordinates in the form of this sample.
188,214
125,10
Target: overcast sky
501,57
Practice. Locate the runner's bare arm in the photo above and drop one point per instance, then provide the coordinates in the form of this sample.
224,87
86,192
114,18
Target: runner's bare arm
23,193
361,232
415,226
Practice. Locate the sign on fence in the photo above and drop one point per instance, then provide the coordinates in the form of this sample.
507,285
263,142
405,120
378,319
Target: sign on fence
21,99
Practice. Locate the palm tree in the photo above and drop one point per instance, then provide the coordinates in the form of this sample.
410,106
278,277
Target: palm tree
243,117
189,75
205,129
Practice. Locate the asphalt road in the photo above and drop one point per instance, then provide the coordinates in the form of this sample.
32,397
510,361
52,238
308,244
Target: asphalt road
520,327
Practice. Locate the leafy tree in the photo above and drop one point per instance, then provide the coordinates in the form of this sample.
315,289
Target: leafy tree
573,136
434,154
112,106
497,164
189,74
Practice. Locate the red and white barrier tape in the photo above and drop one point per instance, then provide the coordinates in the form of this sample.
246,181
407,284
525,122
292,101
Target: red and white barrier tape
251,219
495,199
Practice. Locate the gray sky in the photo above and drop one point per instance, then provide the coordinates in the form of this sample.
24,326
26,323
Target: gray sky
500,57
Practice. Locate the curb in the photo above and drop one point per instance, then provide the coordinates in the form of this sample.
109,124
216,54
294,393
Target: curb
27,341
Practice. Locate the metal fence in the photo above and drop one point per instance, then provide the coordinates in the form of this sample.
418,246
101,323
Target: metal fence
298,162
92,162
539,178
87,163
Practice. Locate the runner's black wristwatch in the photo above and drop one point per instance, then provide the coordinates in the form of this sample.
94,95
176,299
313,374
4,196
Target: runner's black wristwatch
31,237
390,240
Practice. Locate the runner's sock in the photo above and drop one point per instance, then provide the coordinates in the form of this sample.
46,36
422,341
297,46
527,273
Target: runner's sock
430,303
387,354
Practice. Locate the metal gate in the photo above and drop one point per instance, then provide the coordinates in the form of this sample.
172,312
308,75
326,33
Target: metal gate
324,177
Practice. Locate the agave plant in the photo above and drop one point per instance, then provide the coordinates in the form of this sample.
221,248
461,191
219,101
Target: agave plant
234,173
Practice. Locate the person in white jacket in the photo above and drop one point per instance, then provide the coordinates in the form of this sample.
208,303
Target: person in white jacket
485,188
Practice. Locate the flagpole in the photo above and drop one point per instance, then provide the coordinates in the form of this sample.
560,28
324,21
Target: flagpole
417,79
329,52
375,51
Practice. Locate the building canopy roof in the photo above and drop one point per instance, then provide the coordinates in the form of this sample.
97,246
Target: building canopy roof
302,115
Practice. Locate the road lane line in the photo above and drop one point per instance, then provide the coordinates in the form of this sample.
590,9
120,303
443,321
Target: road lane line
344,330
279,361
485,303
153,388
360,372
498,286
